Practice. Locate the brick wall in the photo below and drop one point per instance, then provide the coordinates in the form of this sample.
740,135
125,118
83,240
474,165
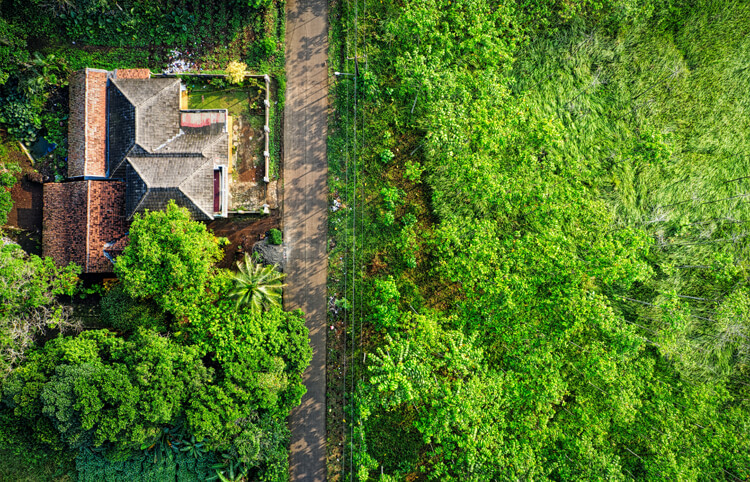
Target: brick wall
106,221
77,124
64,222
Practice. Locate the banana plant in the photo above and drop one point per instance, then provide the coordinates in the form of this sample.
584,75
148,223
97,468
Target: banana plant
230,471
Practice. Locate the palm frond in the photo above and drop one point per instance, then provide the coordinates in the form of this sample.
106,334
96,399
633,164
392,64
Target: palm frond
257,286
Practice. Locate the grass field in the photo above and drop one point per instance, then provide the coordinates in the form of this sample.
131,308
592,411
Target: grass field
660,114
234,100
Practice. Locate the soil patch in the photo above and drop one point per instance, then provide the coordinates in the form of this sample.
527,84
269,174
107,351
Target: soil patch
243,232
270,254
250,154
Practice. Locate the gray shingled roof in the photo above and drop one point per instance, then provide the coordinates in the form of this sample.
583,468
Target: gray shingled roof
153,181
140,91
159,160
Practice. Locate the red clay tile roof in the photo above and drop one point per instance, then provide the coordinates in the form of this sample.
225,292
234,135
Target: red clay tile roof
64,222
132,73
80,219
87,124
106,222
118,245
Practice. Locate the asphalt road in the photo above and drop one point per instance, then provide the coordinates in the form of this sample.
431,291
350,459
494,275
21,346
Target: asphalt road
304,219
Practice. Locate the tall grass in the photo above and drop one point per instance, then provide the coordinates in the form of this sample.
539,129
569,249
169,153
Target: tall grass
658,115
661,115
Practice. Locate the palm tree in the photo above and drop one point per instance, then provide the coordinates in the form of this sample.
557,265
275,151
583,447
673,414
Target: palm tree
257,286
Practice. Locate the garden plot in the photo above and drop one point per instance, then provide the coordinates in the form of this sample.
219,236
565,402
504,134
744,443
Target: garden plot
248,190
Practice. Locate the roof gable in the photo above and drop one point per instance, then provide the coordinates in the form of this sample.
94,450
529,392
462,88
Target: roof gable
158,171
81,218
154,180
140,91
87,123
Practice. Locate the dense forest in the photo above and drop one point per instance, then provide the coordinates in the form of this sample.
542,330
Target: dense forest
177,369
540,246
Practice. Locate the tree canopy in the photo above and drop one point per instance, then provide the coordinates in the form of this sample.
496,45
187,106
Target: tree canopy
559,290
169,259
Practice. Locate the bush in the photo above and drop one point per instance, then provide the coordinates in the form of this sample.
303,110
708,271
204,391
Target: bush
274,236
236,71
413,171
175,465
384,303
12,49
386,156
21,116
8,170
123,313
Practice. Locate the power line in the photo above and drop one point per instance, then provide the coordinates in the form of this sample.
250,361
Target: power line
354,257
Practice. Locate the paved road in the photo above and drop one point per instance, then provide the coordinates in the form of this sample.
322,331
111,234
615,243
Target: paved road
304,220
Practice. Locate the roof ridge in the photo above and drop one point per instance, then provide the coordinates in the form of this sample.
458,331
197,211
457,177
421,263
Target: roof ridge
111,171
180,133
145,193
115,83
188,178
158,93
211,141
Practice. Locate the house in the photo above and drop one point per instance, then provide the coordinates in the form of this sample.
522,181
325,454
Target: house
132,146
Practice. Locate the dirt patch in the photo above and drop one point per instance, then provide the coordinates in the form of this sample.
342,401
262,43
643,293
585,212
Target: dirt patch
250,154
243,232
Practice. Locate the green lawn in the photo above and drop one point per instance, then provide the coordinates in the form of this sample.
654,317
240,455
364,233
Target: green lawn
235,100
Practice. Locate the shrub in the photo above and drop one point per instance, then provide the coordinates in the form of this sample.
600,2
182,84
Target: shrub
8,169
12,50
121,312
384,303
218,83
386,156
274,236
21,116
413,171
236,71
392,196
265,47
94,466
258,3
387,218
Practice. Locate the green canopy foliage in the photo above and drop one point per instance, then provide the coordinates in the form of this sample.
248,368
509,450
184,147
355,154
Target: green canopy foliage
96,388
262,356
170,259
573,306
123,313
257,286
176,465
8,170
29,288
